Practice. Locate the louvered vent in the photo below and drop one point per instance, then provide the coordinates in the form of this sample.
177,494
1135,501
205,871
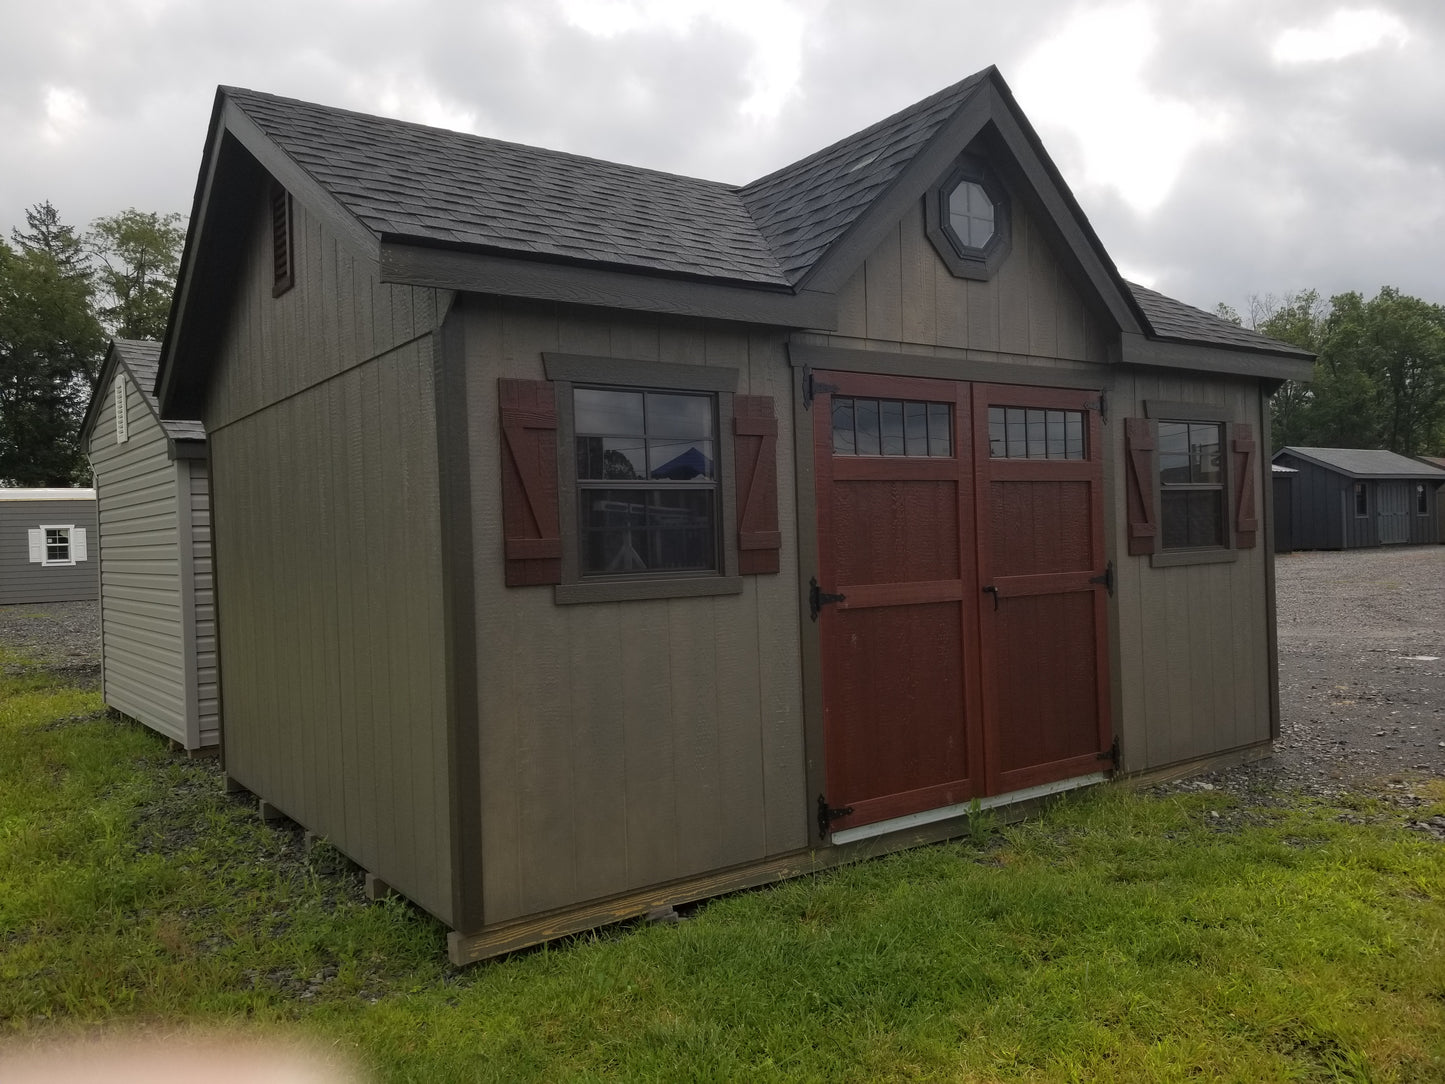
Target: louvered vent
281,239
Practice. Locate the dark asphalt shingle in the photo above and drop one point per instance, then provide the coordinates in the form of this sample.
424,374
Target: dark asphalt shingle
1367,462
142,357
1172,319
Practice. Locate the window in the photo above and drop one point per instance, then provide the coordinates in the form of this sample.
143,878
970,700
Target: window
122,427
1191,484
1362,500
647,480
967,219
1422,500
891,427
1034,433
57,546
652,503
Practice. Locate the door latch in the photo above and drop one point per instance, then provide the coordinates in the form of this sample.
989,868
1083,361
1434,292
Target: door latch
1107,579
818,598
827,815
992,590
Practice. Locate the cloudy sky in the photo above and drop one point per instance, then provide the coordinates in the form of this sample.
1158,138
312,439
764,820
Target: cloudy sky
1221,148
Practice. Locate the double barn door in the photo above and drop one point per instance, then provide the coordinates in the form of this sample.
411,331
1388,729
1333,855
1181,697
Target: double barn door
962,526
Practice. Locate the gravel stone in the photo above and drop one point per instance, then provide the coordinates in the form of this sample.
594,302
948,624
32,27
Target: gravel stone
60,636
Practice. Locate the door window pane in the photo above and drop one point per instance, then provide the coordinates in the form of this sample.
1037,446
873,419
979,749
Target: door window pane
891,427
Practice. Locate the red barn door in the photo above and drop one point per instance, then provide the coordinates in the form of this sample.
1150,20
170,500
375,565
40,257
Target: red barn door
935,692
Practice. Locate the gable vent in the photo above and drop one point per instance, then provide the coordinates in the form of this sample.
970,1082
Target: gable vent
281,255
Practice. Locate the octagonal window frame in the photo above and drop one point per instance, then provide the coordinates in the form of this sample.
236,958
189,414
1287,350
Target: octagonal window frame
963,260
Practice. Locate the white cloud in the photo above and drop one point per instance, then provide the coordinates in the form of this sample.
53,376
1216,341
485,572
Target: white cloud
1087,81
66,111
1345,33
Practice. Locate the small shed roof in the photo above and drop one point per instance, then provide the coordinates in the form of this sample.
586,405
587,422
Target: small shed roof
47,494
140,358
1433,460
1366,462
1279,468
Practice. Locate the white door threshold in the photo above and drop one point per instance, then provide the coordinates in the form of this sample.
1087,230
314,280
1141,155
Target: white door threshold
929,816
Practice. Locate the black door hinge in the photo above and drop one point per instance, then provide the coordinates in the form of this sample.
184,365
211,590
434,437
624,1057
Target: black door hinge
1112,753
813,386
1104,407
827,815
1107,579
818,598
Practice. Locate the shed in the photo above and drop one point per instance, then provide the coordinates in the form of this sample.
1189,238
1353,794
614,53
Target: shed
591,539
157,619
1437,461
1283,480
45,545
1347,498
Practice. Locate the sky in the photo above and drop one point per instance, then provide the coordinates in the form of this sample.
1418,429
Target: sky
1223,150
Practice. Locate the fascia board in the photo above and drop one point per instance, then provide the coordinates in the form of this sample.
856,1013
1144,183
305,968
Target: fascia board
1137,350
484,273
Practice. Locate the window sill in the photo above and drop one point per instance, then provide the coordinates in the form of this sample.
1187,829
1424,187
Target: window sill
567,594
57,564
1173,558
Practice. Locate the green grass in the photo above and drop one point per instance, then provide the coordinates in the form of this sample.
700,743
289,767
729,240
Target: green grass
1115,937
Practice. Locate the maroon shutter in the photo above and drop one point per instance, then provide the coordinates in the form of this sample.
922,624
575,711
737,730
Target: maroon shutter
755,457
1245,521
1139,469
529,482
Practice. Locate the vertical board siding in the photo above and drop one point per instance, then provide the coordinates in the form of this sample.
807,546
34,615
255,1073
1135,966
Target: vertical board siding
1193,639
627,744
327,529
23,582
904,297
141,583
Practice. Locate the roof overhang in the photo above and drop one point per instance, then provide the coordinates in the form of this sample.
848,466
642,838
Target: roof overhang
1136,349
1422,475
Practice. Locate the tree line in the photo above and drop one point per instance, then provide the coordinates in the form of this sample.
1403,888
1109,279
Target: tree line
64,293
1379,379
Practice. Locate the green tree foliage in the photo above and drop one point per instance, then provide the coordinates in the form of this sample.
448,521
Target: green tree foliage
138,254
1379,379
50,349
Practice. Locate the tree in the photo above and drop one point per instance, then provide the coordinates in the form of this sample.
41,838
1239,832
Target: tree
50,350
139,254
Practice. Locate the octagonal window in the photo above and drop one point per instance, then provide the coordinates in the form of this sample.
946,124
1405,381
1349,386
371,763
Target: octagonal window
971,215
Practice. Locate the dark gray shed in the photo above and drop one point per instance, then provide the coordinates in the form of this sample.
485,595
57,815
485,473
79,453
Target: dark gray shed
1348,498
45,540
591,539
158,629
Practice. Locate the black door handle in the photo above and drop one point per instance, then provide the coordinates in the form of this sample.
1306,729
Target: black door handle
992,590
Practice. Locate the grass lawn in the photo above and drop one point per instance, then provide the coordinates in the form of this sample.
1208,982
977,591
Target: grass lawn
1115,937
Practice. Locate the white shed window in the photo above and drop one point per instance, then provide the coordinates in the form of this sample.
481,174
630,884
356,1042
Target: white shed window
56,544
122,426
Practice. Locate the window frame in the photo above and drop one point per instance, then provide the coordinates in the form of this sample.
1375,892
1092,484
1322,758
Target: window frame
69,529
1163,411
1422,499
966,261
1362,500
569,371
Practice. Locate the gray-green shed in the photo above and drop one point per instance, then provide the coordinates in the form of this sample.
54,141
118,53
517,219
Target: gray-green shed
1352,498
157,612
591,539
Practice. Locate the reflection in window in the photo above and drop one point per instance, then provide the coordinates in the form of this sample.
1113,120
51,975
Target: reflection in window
971,214
1191,484
665,444
57,545
1035,433
893,427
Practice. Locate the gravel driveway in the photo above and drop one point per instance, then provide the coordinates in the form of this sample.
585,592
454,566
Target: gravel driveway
1361,651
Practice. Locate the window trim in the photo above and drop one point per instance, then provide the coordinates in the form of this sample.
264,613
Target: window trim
568,370
69,529
1362,490
1158,410
1422,499
965,261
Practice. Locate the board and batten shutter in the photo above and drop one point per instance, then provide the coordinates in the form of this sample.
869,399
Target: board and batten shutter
530,523
37,545
77,544
1246,523
755,460
1139,469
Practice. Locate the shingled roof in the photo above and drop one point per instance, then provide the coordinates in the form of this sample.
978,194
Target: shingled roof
1172,319
142,357
1366,462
